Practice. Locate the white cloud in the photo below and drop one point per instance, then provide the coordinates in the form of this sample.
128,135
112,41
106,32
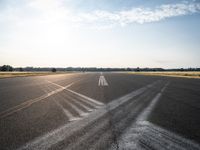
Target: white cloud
50,11
141,15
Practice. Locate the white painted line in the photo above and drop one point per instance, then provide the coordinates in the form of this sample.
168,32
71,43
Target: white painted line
79,111
53,137
80,95
102,81
28,103
56,84
88,102
105,83
151,106
67,113
85,97
82,105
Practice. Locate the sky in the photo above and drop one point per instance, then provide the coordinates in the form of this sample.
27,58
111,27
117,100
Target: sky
100,33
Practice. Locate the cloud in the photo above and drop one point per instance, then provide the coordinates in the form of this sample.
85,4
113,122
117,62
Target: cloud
55,11
141,15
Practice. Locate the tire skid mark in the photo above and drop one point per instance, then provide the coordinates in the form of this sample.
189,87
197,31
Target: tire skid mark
167,138
82,139
97,137
128,134
28,103
145,135
93,132
58,135
118,128
98,145
133,108
107,127
154,137
103,140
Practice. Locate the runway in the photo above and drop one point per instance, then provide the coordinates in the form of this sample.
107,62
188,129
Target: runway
99,111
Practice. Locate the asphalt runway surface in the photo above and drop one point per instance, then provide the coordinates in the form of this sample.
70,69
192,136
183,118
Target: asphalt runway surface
99,111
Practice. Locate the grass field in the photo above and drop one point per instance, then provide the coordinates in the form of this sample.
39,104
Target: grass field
185,74
24,74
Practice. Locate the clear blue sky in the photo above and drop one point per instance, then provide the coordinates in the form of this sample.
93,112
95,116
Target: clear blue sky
100,33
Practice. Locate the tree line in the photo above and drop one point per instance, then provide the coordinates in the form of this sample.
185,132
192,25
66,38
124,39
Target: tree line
90,69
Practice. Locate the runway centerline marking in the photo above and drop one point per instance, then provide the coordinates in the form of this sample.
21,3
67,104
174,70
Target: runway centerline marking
102,81
28,103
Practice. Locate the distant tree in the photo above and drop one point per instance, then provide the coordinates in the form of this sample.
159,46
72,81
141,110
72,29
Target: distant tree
137,69
10,68
21,69
3,68
53,70
128,69
6,68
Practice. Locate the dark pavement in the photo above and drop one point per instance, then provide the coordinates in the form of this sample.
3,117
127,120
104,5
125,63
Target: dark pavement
74,111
